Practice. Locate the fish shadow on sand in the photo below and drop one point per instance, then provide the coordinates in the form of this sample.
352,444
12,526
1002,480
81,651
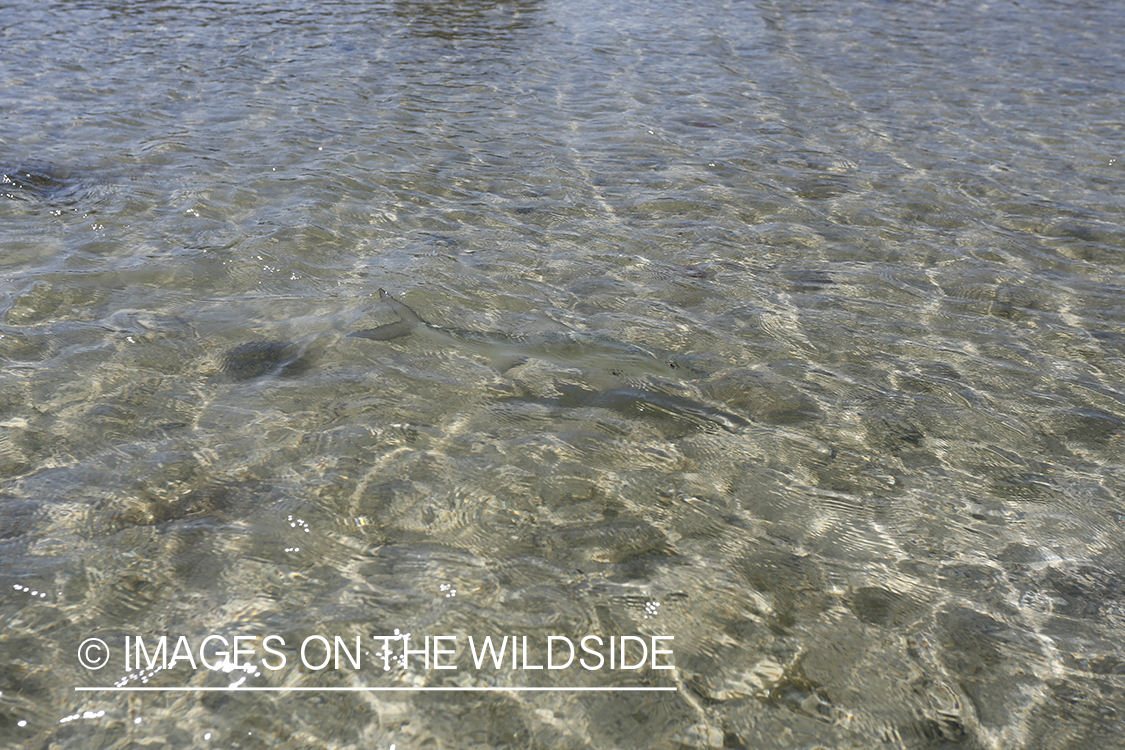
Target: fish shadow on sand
255,359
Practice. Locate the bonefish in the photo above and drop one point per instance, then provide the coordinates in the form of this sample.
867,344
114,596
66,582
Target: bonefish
505,351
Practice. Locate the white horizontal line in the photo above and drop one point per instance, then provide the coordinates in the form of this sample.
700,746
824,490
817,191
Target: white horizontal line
488,689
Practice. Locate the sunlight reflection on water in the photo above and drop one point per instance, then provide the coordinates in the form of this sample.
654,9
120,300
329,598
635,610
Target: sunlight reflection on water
788,331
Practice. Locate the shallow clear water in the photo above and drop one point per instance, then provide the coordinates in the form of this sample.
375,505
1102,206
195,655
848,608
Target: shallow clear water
789,330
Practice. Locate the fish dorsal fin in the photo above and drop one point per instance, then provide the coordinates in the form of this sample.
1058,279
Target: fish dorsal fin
408,320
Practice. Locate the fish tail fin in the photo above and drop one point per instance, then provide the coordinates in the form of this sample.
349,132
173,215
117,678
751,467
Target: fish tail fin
405,314
408,320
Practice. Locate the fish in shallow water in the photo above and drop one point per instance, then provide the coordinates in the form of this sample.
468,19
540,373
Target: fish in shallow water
589,352
50,185
626,385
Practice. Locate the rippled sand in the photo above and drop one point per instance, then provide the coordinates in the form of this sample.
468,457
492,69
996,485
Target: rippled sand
875,503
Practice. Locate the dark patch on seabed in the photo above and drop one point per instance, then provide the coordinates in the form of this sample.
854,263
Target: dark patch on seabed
215,503
257,358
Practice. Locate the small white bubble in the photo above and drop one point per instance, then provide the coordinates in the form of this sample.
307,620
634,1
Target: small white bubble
137,720
207,736
21,723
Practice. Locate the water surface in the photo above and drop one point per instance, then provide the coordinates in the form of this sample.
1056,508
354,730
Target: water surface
877,503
